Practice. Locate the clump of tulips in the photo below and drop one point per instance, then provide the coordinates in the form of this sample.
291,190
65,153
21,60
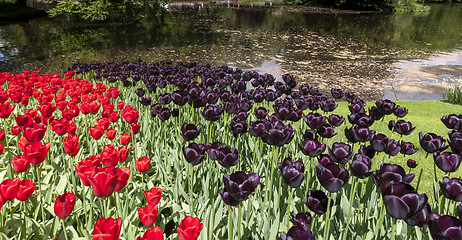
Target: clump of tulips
290,165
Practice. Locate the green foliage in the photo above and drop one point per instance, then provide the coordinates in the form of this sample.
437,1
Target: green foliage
100,10
453,93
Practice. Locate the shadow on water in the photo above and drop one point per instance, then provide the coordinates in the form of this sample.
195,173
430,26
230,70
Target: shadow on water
358,52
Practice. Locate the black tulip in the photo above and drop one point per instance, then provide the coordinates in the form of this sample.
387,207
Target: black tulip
336,93
402,201
194,153
292,172
316,201
360,166
445,227
212,112
335,120
239,184
332,177
411,163
407,148
297,233
314,120
228,199
312,147
446,161
340,152
452,188
190,131
452,121
391,173
226,157
302,219
400,111
261,112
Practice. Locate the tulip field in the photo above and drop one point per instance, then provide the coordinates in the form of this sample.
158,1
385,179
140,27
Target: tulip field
136,150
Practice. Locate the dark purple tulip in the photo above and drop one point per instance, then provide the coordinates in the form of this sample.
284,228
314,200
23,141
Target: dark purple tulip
375,113
368,151
350,97
324,159
211,98
239,184
316,201
452,188
297,233
392,148
421,218
292,172
312,147
278,134
241,115
164,114
402,201
228,199
314,120
304,89
431,142
332,177
245,105
445,227
194,153
289,80
175,112
335,120
238,126
302,219
179,97
295,115
361,119
336,93
357,108
400,111
295,94
212,112
302,103
340,152
358,134
391,172
407,148
448,162
225,156
314,105
165,98
326,131
190,131
452,121
308,134
230,107
411,163
257,128
379,142
146,101
282,112
261,112
402,127
361,166
328,106
386,106
455,138
140,92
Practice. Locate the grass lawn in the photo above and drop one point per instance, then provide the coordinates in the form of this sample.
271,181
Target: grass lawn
426,117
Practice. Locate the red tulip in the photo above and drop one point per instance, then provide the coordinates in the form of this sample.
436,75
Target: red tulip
20,163
60,126
135,128
35,133
122,178
46,109
110,133
114,116
148,214
152,234
6,109
22,143
36,152
96,132
107,229
189,228
23,120
84,171
110,156
142,164
71,145
2,135
104,122
64,204
123,151
16,130
1,148
72,127
104,181
25,189
9,188
153,196
130,114
2,201
125,138
120,105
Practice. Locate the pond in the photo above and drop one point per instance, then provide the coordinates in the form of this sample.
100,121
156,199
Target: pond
377,55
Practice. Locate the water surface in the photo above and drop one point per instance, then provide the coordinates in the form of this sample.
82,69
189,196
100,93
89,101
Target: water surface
363,52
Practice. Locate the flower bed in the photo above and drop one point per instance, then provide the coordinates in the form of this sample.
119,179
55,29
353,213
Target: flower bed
163,151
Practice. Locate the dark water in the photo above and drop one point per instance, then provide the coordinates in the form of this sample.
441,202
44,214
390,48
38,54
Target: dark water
366,52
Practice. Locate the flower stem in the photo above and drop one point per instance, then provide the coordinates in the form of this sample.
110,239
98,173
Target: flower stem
379,225
393,230
352,194
191,205
326,228
230,225
64,229
239,221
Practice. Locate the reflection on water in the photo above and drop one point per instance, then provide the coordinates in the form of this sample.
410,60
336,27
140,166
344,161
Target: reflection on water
360,52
